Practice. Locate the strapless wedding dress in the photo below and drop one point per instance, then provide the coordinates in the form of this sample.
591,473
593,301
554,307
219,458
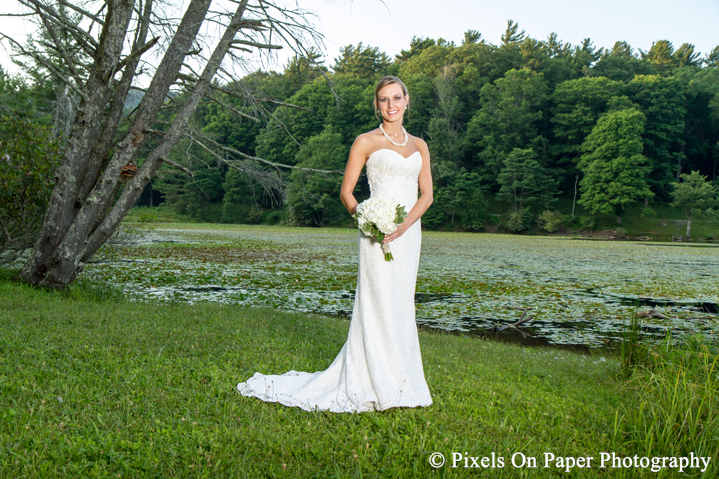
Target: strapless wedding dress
380,365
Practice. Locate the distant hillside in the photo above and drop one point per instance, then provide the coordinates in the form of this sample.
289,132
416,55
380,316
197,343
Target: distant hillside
134,97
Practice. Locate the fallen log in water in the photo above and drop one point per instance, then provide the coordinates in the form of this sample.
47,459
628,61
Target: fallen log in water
651,313
522,320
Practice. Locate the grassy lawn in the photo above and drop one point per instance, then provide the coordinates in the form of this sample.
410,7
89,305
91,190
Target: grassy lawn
92,385
665,222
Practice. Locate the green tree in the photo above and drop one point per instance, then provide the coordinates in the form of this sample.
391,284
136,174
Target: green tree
468,85
430,61
462,195
509,118
313,198
686,55
665,58
361,61
24,99
474,206
508,54
663,102
523,180
416,46
471,36
199,196
661,56
445,144
281,139
699,87
353,113
301,70
101,60
711,60
578,105
246,199
694,194
621,64
613,165
422,104
29,156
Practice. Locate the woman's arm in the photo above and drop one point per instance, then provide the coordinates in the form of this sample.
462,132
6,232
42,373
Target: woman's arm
355,163
426,196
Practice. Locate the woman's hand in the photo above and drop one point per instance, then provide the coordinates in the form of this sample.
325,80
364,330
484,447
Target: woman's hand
397,233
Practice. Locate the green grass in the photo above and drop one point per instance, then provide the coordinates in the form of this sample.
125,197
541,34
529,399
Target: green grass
156,214
211,213
678,391
665,223
94,386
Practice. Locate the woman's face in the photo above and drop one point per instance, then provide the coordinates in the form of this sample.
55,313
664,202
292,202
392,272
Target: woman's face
391,102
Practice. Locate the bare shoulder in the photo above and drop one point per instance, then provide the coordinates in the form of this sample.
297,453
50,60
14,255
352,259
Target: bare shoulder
421,146
366,139
365,143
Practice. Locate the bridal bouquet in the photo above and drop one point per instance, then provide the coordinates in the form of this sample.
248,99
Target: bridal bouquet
380,216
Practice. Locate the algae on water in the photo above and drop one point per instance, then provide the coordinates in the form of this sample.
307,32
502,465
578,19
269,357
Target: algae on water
582,292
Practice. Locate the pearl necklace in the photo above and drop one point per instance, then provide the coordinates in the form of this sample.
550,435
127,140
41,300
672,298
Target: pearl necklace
406,138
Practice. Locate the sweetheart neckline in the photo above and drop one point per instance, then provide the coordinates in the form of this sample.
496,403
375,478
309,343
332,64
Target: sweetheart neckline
396,152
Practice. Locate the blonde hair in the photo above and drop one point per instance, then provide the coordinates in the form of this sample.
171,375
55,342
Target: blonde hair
383,82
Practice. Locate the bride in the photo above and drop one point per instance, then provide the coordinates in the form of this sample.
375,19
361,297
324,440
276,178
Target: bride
380,365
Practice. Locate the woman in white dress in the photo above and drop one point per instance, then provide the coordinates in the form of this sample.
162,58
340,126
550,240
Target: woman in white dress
380,365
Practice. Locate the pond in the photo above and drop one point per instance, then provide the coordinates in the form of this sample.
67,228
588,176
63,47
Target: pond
582,292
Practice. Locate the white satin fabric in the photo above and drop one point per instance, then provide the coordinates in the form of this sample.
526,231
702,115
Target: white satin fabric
380,365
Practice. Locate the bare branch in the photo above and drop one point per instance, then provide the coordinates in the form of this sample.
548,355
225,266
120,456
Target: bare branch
257,45
242,49
136,54
58,46
43,61
174,164
72,6
43,10
260,99
196,135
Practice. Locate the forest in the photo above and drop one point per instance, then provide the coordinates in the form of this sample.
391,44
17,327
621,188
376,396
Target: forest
520,125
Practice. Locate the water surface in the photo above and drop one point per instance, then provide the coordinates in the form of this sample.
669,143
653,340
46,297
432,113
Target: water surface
581,292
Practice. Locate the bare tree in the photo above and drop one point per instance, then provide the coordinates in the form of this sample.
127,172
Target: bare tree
211,45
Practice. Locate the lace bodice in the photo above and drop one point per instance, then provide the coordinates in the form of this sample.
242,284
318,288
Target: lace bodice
391,174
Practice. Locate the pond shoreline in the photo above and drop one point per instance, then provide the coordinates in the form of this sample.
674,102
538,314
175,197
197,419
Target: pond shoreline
583,292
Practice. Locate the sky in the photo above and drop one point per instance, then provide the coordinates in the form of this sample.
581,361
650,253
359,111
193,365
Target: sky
391,24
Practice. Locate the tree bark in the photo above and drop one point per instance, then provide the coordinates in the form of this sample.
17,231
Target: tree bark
135,186
84,208
55,261
62,207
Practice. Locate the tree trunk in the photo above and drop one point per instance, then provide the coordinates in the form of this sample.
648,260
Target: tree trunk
70,231
94,189
619,220
63,204
689,223
574,202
